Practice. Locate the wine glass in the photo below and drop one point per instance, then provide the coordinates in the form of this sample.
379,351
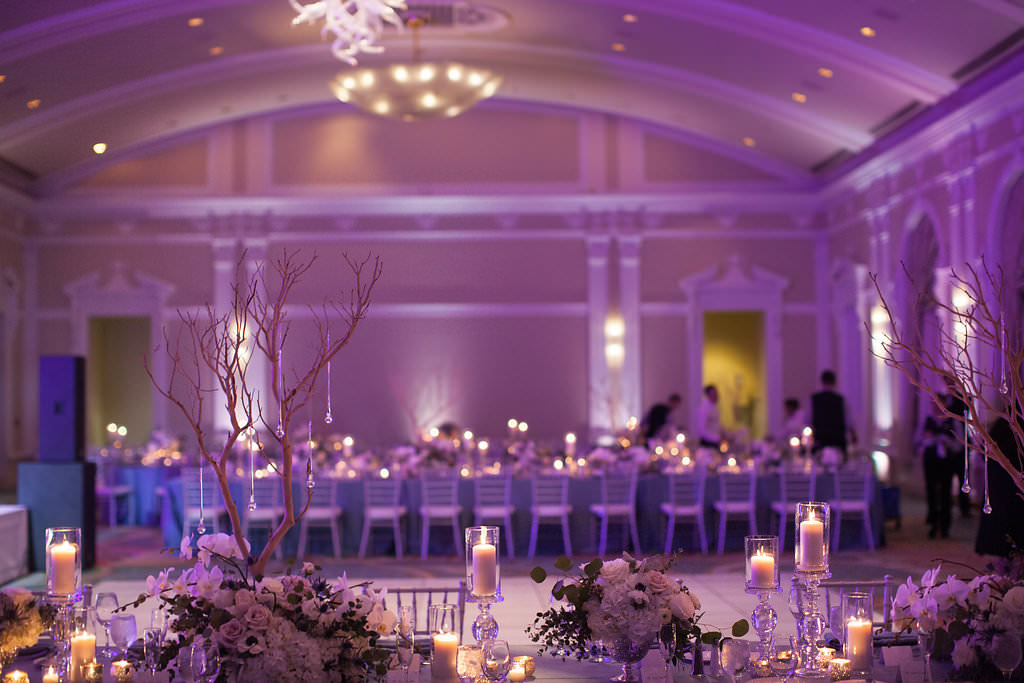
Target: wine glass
106,604
158,620
735,657
497,659
123,631
203,661
405,645
152,642
1006,653
469,663
925,640
667,647
784,662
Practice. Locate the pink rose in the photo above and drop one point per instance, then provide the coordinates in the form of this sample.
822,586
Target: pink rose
257,617
229,632
658,582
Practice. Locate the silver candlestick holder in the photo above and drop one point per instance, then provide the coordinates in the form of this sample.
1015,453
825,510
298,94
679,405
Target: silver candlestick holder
813,522
483,578
762,553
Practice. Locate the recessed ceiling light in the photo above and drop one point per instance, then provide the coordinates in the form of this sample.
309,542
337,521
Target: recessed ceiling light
824,72
33,104
749,142
195,21
799,97
867,31
216,50
630,18
619,47
99,147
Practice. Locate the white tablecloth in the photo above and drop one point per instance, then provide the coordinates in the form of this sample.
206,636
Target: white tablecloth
14,541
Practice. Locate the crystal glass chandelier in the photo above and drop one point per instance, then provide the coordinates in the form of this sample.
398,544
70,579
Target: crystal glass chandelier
416,90
356,24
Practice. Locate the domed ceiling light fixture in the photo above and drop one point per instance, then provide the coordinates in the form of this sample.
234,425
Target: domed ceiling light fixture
356,24
416,90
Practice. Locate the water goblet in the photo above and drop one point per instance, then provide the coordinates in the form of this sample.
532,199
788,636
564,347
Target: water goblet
497,659
469,663
925,640
204,661
784,662
405,645
735,657
105,605
667,646
1006,653
152,642
123,631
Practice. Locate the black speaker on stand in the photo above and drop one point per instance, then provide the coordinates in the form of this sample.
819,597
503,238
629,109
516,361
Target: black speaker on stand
60,489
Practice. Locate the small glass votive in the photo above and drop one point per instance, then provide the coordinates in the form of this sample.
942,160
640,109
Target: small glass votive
825,655
51,675
812,537
122,671
857,613
16,677
528,664
839,669
483,578
762,562
64,562
761,668
444,641
469,663
92,672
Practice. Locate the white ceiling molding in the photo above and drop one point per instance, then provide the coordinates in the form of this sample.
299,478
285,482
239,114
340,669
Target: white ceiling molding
844,53
1012,12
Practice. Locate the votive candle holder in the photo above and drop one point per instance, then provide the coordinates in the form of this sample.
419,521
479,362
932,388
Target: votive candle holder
64,563
483,562
857,612
813,532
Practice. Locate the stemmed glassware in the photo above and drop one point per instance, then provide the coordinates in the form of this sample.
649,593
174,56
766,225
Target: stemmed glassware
497,659
106,603
152,642
926,639
784,662
405,645
204,662
123,631
469,664
667,647
1006,653
735,657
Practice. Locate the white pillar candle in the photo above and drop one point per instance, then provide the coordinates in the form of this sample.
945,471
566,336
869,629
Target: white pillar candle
446,652
762,571
517,674
812,544
51,675
16,677
83,649
485,569
858,644
62,567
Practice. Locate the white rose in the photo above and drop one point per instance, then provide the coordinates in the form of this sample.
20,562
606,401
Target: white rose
1014,600
658,582
682,606
615,571
694,600
964,654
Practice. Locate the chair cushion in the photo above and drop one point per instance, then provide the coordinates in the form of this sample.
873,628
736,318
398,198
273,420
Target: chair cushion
550,510
491,511
440,510
384,512
681,510
850,505
612,509
323,514
732,507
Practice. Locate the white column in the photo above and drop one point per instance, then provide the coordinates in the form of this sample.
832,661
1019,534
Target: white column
822,287
629,308
30,347
259,372
225,262
597,311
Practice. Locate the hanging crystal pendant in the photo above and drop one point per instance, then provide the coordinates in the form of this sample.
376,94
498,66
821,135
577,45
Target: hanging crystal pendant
966,487
252,472
1004,387
328,418
280,391
310,482
987,507
201,527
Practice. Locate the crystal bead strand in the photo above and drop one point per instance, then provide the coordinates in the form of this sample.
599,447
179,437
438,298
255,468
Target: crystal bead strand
987,507
328,418
252,471
966,487
201,527
310,482
1004,387
280,386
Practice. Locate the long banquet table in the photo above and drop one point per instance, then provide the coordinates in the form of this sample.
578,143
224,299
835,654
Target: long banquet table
583,492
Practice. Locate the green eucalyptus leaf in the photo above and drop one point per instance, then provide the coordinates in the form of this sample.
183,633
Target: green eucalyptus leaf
711,637
572,593
563,563
593,568
740,628
538,574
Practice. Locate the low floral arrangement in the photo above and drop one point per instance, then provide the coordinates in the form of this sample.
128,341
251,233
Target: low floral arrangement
964,616
297,627
23,618
625,599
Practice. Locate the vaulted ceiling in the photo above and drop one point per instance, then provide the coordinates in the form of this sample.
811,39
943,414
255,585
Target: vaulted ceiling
796,83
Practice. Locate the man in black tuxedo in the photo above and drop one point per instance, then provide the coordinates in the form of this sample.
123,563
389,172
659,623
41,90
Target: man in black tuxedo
657,417
830,419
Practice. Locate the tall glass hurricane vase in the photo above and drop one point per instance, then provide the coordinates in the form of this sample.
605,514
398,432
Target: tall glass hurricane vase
812,566
64,563
483,577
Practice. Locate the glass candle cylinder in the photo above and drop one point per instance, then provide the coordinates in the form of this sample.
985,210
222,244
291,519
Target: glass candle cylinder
444,640
482,562
762,562
812,537
857,612
83,652
64,562
92,672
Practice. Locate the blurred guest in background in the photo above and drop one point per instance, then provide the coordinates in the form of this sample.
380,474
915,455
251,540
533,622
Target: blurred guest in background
933,443
830,417
709,421
999,531
794,420
656,424
956,450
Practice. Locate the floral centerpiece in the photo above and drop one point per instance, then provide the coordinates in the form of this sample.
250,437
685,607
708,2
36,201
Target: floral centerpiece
23,618
964,616
296,627
625,603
